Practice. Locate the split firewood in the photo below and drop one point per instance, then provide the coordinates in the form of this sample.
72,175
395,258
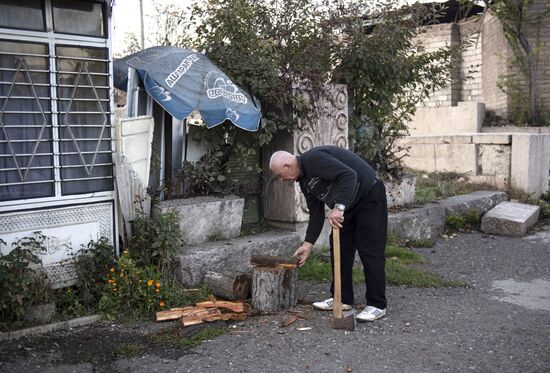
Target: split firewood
226,316
239,307
198,315
232,286
172,313
274,262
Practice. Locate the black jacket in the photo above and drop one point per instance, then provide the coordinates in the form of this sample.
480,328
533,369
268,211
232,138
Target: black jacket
329,175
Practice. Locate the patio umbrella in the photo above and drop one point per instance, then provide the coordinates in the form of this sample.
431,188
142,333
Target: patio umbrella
183,82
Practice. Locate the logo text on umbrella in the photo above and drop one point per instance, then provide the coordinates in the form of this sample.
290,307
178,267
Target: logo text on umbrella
182,68
220,87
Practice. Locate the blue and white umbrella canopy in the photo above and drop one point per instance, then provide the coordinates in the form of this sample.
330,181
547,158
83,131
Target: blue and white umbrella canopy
183,81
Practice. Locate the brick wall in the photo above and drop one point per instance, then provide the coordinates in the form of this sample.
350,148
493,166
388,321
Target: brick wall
538,34
494,65
436,37
470,68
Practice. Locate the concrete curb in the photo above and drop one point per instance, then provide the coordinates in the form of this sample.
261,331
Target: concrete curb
43,329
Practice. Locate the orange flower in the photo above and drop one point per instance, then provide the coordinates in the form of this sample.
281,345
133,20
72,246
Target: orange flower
157,290
112,269
157,284
150,283
162,304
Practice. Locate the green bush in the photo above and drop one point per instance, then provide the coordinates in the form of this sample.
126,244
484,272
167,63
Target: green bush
155,241
455,222
130,291
21,283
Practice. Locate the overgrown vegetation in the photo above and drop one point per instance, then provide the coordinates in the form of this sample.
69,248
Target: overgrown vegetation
120,288
401,269
470,220
526,106
155,240
439,185
22,280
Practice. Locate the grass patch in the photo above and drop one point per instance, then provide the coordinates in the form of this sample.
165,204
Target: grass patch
398,273
438,185
399,270
129,349
173,338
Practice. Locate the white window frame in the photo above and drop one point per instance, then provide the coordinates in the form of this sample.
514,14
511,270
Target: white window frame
52,40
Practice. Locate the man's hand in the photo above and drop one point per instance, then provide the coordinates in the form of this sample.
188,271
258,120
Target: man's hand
302,253
336,218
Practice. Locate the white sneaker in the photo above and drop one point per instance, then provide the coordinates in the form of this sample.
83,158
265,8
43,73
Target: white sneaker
371,313
326,305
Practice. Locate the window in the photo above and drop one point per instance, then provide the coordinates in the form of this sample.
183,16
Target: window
22,14
78,17
26,153
55,130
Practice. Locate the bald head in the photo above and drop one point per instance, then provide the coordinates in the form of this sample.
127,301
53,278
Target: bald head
284,166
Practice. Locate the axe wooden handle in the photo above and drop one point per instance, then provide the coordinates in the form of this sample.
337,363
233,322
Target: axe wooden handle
337,307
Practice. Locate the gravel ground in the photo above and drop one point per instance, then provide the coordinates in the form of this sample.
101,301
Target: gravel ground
500,323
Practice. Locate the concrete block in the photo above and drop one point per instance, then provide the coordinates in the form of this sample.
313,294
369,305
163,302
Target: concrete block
467,117
401,192
510,219
204,217
456,158
426,222
480,200
529,165
493,159
192,262
490,138
421,157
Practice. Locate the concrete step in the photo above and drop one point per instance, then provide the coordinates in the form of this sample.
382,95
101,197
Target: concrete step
481,200
510,219
428,221
192,262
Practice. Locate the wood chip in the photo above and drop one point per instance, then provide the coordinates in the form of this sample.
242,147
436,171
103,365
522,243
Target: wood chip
291,319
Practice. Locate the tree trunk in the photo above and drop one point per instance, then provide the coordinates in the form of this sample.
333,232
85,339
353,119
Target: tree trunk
273,289
232,286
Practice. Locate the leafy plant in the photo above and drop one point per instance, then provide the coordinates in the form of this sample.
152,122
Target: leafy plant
455,221
155,241
20,283
131,291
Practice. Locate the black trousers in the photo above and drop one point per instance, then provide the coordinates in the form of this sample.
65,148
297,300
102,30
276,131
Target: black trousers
365,231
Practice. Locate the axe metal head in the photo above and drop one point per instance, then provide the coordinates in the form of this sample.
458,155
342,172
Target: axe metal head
347,322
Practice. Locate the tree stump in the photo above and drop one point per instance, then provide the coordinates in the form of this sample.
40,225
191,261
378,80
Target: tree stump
232,286
273,288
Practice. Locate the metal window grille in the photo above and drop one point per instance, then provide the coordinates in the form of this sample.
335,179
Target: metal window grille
55,130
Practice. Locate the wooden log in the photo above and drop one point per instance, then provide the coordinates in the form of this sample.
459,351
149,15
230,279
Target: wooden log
238,307
273,261
273,289
232,286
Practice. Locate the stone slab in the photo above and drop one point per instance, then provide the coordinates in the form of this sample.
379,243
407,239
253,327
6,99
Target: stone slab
481,200
192,262
204,217
510,219
401,192
466,117
425,222
529,164
492,138
461,158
